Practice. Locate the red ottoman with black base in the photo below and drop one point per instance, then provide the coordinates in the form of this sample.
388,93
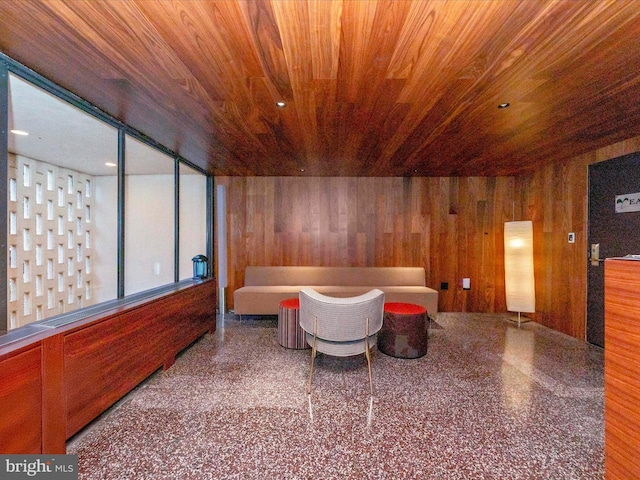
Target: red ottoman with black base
404,331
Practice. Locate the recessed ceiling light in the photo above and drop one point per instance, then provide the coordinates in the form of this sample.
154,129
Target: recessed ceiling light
504,105
302,169
281,104
111,164
19,132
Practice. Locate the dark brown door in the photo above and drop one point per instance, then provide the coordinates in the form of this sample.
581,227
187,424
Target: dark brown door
616,234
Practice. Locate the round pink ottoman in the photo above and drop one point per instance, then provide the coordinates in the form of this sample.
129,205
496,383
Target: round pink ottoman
404,331
290,333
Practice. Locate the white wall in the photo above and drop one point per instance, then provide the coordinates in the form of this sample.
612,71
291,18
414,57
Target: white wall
149,230
105,239
193,221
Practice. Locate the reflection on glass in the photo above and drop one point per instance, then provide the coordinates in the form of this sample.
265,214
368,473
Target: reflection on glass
193,218
149,217
49,169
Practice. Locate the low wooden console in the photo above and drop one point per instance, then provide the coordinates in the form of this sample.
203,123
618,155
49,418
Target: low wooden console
622,368
54,383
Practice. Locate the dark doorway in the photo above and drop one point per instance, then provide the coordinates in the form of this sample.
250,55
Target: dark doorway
616,234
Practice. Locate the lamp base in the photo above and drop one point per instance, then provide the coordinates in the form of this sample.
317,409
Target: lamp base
518,319
221,306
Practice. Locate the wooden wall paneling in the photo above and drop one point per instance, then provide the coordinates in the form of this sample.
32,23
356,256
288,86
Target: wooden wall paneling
21,400
481,190
482,263
430,201
269,212
439,212
555,199
467,200
528,206
442,224
532,209
322,209
630,145
448,245
572,214
328,206
353,254
371,226
557,239
340,254
574,219
485,234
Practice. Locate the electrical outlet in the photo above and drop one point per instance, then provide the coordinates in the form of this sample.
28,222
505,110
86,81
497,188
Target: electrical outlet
444,285
571,237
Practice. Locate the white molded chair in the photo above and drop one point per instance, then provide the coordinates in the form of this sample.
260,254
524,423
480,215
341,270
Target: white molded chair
341,327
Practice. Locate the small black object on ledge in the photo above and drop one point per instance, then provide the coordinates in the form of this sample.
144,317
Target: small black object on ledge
200,266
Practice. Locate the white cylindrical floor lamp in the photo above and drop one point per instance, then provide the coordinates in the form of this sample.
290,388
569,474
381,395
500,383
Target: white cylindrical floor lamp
519,280
221,207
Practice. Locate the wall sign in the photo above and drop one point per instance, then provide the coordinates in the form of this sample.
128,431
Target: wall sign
629,202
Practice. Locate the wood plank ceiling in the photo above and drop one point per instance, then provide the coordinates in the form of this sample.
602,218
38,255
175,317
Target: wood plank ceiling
372,87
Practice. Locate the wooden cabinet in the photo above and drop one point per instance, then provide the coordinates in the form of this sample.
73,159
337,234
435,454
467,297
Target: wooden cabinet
622,369
56,382
21,401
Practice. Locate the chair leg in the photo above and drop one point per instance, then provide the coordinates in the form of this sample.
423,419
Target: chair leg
313,354
368,355
313,357
366,352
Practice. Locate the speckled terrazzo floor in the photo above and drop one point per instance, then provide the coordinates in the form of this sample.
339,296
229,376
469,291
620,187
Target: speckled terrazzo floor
488,401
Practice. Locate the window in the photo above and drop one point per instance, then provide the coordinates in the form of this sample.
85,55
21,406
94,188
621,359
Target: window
26,271
12,190
193,218
26,174
39,255
68,190
26,208
13,289
61,180
26,237
149,200
13,255
13,223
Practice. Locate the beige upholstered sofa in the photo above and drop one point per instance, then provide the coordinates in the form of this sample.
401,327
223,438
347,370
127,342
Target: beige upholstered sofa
265,287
